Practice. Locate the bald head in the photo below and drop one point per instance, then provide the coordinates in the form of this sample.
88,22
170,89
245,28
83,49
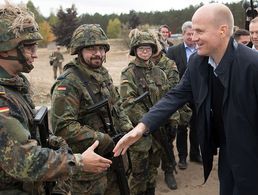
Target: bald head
217,14
213,27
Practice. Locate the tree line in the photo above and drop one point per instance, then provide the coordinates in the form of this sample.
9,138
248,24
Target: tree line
59,27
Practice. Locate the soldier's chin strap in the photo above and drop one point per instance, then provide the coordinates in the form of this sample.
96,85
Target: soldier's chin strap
21,58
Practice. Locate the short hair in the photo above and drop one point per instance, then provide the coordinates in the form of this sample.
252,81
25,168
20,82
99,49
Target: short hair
240,32
163,26
187,24
255,20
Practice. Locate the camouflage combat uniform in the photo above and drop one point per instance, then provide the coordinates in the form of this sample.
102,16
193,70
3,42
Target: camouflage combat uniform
24,165
170,68
57,58
71,119
18,150
145,153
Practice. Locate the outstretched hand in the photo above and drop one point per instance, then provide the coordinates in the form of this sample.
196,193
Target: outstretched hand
93,162
128,139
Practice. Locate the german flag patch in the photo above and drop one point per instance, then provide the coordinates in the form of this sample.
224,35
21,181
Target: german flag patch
4,109
61,88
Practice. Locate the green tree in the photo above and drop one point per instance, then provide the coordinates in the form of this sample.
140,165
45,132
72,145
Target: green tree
114,28
38,16
52,19
66,24
134,19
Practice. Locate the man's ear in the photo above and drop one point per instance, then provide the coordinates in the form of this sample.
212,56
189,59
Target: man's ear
223,30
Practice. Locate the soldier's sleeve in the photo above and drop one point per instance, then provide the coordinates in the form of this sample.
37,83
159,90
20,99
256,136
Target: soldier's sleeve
66,99
128,92
172,73
23,159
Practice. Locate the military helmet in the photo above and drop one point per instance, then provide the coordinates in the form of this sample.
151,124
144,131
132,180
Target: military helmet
17,24
142,38
88,35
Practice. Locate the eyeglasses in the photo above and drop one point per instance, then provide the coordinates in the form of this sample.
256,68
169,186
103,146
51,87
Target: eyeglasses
95,49
144,48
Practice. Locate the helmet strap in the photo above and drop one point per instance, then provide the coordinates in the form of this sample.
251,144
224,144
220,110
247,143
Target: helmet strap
22,59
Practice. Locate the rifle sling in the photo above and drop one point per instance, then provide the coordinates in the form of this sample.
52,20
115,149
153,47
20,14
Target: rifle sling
85,80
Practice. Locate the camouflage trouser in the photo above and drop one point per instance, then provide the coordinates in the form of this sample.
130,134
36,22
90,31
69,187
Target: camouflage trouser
55,67
106,185
144,154
170,129
166,164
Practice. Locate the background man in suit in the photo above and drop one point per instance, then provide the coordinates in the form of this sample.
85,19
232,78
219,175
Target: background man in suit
253,29
181,54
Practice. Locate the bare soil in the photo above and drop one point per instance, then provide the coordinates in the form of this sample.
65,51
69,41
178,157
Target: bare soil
190,181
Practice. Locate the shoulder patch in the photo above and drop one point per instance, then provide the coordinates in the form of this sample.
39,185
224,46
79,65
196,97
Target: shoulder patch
4,109
61,88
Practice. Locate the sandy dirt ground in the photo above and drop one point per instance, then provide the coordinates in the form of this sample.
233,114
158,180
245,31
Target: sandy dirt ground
190,181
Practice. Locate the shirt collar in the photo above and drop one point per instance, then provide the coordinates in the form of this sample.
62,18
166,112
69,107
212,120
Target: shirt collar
253,48
213,64
192,49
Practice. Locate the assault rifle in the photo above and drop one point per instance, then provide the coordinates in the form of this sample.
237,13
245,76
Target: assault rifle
118,164
160,135
41,122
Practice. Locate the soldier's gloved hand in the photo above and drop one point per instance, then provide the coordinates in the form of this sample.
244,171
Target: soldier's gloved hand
106,145
56,143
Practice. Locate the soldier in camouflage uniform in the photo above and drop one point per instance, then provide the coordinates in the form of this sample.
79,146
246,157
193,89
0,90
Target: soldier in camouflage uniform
142,75
57,58
24,165
170,68
72,96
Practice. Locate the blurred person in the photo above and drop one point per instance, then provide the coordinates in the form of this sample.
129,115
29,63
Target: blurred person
57,59
164,34
242,36
221,81
25,166
253,29
85,83
180,54
170,69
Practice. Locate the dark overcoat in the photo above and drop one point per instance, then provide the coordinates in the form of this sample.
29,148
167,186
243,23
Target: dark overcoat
178,54
238,73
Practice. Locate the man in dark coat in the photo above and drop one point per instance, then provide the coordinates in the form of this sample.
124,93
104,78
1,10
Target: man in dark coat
221,80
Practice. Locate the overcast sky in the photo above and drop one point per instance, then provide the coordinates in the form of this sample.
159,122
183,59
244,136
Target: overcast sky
114,6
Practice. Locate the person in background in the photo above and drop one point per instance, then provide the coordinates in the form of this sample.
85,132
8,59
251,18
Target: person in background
25,166
253,29
221,81
170,68
180,54
242,36
164,34
57,58
140,76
